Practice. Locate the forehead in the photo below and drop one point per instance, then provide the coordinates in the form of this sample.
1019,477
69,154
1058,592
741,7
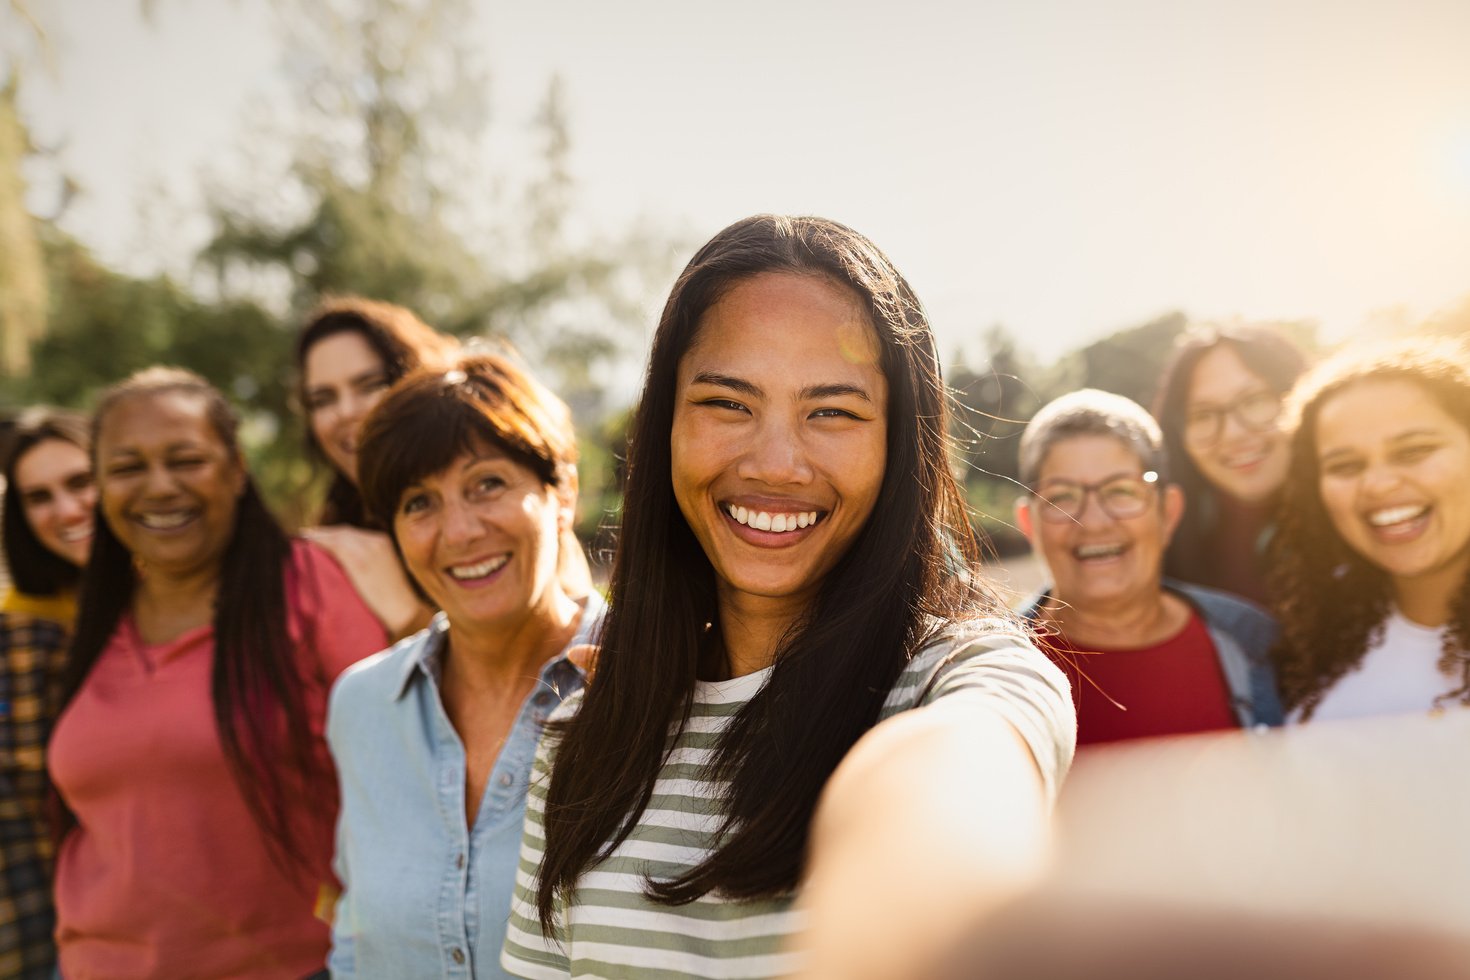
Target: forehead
155,419
1376,410
780,326
1220,375
339,355
49,459
1088,458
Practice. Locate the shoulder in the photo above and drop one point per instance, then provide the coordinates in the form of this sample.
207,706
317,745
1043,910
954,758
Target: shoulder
24,630
378,679
962,652
1233,614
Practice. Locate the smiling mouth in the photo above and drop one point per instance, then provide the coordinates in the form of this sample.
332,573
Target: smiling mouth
1246,460
79,533
167,520
777,523
1401,523
467,573
1098,552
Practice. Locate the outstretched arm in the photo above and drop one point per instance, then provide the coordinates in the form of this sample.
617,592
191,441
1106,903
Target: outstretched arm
935,818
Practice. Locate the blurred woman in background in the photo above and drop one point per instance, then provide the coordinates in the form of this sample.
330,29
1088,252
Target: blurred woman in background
473,471
50,498
349,353
189,750
49,508
1218,405
1371,563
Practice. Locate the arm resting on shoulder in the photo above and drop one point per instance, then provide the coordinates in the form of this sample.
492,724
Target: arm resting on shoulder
934,819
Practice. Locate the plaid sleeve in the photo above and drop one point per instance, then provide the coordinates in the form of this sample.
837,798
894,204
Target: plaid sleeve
32,657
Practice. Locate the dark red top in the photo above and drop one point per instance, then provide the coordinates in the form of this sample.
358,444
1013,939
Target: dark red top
1172,688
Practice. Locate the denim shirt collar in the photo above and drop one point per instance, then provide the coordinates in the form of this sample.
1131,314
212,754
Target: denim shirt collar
427,656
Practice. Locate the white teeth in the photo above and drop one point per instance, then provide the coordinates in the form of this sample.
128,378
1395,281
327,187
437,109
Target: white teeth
776,523
80,533
1087,551
1389,516
481,570
166,522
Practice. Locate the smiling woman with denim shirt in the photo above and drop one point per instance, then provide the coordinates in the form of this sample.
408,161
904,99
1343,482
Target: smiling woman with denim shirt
473,473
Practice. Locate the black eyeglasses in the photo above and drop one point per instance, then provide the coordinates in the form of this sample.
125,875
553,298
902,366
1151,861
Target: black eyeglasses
1255,410
1121,497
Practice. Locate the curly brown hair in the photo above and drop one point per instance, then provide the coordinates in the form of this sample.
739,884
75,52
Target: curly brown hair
1332,602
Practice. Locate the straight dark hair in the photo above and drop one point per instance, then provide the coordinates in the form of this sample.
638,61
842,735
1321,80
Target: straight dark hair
255,687
908,573
34,568
1277,361
400,339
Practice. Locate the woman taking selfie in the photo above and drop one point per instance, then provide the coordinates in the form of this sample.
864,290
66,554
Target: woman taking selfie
795,599
1372,560
1219,405
49,505
189,752
474,473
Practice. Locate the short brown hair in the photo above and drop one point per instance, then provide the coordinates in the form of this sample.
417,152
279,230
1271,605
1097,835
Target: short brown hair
433,417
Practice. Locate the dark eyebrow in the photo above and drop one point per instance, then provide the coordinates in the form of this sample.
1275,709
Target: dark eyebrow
833,390
726,381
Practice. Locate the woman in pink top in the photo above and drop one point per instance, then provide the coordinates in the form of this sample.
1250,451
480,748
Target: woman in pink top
189,753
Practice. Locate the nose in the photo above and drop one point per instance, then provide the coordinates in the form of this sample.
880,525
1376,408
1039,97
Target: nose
159,482
1379,478
73,507
1092,511
461,523
776,455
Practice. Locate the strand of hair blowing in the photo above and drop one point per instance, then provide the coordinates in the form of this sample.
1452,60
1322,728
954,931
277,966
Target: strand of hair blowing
254,685
833,669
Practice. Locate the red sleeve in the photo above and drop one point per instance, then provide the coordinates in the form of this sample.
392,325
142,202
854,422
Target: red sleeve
335,626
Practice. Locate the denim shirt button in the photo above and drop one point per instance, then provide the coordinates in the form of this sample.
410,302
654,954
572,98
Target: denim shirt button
457,955
459,861
505,779
541,700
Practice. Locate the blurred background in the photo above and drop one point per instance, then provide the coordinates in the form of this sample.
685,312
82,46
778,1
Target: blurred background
1067,184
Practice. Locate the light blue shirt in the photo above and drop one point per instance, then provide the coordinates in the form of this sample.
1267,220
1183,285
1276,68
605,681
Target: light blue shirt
424,896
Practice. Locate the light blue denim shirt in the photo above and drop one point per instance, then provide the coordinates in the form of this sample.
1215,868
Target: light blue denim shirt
422,895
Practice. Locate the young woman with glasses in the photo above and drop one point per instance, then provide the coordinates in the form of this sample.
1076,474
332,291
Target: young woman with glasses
1218,405
1146,656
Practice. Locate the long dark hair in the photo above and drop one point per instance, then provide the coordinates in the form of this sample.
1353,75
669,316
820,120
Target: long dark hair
255,687
400,339
35,568
1332,602
1268,354
908,572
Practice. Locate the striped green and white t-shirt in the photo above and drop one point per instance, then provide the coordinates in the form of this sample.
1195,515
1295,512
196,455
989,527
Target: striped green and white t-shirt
612,929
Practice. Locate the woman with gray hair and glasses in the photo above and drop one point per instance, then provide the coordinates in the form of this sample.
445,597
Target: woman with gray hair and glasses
1146,656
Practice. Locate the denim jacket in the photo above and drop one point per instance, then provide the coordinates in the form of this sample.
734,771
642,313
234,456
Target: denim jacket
422,894
1242,634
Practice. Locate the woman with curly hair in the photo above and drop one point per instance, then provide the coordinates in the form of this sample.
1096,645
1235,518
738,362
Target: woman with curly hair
1218,404
1371,558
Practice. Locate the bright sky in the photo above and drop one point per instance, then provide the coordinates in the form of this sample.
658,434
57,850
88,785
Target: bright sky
1064,167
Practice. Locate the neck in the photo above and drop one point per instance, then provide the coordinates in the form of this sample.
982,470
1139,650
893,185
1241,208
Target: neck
1429,599
1128,623
752,626
166,605
508,656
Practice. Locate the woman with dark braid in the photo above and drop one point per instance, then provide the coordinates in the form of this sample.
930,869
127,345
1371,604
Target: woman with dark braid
1371,562
189,751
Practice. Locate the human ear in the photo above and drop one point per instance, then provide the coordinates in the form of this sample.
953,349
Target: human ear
1173,510
1024,519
